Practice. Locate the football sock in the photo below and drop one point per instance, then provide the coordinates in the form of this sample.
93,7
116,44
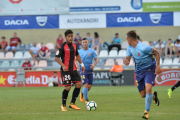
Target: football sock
176,85
88,89
148,101
75,94
85,93
64,97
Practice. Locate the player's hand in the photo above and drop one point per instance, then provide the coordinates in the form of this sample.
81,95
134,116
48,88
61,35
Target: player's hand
158,70
77,66
126,62
83,69
64,68
92,66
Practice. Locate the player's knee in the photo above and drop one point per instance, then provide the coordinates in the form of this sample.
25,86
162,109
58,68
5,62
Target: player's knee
143,95
68,88
78,85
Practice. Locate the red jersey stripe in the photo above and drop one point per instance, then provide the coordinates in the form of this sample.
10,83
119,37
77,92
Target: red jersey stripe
67,56
74,66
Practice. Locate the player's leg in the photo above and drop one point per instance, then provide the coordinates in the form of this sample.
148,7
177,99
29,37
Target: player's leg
85,87
77,80
85,92
173,88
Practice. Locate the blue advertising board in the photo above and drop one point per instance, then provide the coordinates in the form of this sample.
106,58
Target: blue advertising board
29,22
139,19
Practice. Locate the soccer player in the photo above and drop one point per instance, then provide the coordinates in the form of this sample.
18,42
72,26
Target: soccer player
173,88
68,51
87,56
145,69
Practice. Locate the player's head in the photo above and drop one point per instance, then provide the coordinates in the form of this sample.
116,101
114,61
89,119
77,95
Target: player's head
131,36
15,34
55,73
3,38
85,43
69,36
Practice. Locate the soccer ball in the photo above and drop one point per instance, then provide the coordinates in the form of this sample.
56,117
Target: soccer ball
91,105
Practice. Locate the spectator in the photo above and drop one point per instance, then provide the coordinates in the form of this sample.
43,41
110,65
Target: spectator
116,68
3,44
59,41
14,41
116,42
55,79
177,47
159,47
77,41
169,50
89,40
27,65
44,52
96,42
34,51
151,44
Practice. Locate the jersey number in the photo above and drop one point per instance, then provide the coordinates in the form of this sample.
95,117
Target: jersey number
82,77
67,77
136,82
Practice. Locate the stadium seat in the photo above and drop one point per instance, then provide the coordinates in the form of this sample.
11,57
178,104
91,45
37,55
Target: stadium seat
175,67
1,55
29,46
5,64
122,53
167,61
100,62
11,69
109,62
113,53
50,46
114,48
165,67
36,63
21,46
120,61
18,55
15,63
21,62
124,45
39,69
155,42
39,45
164,42
103,53
42,63
27,55
176,61
131,62
97,68
145,42
9,55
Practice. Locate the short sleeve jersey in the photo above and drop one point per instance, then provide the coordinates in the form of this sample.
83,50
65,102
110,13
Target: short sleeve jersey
15,40
142,55
67,53
87,57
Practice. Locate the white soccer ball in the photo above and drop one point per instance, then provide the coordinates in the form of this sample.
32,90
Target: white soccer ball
91,105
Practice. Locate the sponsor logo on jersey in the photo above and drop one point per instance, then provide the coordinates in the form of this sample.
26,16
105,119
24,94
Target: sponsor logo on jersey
41,20
89,54
167,76
15,1
139,54
129,19
155,17
16,22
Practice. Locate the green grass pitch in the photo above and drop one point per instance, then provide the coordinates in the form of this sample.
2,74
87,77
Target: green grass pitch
114,103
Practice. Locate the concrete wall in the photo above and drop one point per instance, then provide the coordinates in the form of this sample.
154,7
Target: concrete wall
106,34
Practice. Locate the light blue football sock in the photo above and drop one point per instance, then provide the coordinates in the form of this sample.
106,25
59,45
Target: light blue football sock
148,101
85,93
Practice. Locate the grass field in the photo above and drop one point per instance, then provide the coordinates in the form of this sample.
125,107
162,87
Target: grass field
114,103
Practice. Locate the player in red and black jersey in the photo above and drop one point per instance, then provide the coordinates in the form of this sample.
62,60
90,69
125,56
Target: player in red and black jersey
67,52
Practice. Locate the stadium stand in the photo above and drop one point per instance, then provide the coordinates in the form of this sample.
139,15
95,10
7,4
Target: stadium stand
122,53
27,55
113,53
18,55
15,63
1,55
50,46
124,45
167,61
5,64
36,63
9,55
39,45
109,62
42,63
103,53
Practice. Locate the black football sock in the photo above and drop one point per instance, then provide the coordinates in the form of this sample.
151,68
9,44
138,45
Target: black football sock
64,97
176,85
75,94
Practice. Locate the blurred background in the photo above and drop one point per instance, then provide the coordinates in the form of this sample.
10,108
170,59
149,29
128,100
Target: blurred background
32,31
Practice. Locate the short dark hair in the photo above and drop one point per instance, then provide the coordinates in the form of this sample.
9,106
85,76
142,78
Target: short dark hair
3,37
150,41
116,34
42,43
159,40
55,72
96,34
88,33
132,34
84,39
15,33
169,39
68,32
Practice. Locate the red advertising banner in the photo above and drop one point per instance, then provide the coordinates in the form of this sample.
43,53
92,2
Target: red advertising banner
169,77
32,78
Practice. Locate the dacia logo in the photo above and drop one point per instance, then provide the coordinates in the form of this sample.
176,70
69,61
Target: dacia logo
155,17
41,20
16,22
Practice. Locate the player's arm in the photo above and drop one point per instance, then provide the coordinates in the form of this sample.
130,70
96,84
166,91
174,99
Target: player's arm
57,56
158,69
81,63
126,61
96,61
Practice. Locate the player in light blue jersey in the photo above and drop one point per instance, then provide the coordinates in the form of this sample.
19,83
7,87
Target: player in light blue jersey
87,55
145,68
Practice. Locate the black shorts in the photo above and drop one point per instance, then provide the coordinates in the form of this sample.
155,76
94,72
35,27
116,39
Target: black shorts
70,77
168,52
